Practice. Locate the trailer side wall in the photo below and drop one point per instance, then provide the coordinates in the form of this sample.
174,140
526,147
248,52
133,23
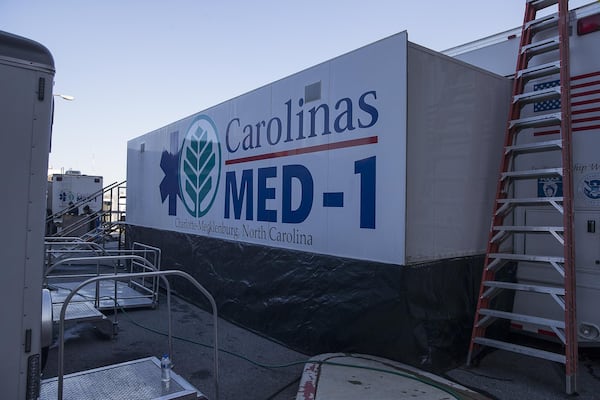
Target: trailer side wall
26,79
456,120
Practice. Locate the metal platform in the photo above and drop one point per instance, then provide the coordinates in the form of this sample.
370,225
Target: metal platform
133,380
127,296
77,311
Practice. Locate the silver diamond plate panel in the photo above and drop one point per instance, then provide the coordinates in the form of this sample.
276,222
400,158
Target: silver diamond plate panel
135,380
77,311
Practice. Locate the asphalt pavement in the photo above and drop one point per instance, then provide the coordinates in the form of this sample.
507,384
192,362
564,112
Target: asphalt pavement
506,375
250,366
256,368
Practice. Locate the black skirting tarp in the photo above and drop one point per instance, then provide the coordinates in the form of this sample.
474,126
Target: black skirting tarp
421,315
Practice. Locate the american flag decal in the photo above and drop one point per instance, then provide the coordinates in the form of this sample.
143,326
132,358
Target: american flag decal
546,105
585,103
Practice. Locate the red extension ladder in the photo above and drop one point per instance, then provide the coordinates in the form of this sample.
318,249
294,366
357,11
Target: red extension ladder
543,53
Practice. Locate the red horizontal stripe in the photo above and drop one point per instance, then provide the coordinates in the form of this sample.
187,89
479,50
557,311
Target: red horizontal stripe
584,102
305,150
586,128
576,129
587,84
585,110
583,76
590,119
585,93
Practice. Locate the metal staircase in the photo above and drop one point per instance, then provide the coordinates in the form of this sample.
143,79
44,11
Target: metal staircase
96,226
516,237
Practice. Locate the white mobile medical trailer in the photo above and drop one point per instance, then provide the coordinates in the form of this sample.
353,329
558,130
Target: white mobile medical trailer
73,187
498,54
27,75
318,193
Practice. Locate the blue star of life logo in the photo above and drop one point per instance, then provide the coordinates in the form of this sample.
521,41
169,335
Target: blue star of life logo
193,173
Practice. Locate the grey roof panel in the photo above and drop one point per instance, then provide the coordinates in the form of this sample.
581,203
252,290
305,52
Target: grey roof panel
27,50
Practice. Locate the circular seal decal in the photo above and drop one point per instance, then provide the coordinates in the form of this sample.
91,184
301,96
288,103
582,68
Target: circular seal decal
589,187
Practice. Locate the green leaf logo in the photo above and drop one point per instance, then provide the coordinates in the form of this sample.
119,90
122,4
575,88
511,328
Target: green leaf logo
200,166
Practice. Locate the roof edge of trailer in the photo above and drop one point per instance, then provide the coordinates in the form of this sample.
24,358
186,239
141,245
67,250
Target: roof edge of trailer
19,49
514,33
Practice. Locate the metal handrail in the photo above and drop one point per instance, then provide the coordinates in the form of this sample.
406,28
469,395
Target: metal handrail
162,275
75,246
101,258
155,254
63,238
79,246
84,220
87,199
144,263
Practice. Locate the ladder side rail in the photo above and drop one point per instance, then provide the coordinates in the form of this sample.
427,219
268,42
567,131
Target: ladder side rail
569,265
502,185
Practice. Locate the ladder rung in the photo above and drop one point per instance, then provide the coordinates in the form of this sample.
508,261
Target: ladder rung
558,291
537,121
526,257
541,4
504,231
515,348
540,47
537,95
533,173
509,204
534,147
523,318
524,228
500,259
538,25
539,71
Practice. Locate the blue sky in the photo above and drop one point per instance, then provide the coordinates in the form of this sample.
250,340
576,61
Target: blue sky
135,66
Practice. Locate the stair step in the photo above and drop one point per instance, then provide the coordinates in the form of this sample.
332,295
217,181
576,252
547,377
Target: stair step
515,348
534,173
541,47
537,121
537,95
539,71
541,4
534,147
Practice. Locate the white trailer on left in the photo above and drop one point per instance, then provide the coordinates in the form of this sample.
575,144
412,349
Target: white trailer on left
26,80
